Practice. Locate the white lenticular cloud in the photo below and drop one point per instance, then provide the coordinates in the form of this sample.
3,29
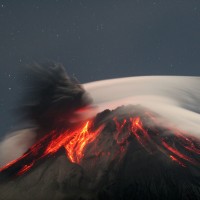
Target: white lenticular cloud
15,145
175,98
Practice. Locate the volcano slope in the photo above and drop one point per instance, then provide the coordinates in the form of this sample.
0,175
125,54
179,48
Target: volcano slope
119,154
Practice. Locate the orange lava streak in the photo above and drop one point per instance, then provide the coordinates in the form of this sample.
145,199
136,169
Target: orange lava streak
188,143
12,163
25,169
118,125
57,143
176,160
74,142
136,125
177,153
120,128
75,148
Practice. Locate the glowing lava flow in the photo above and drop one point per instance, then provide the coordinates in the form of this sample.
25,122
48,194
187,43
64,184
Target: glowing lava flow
135,126
74,142
180,149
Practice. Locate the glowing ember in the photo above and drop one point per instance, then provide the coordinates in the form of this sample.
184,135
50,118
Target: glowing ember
74,142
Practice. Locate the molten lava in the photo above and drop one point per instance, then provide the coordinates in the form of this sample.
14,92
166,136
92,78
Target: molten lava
76,140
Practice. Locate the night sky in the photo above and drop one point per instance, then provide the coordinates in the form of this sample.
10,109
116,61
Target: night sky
96,40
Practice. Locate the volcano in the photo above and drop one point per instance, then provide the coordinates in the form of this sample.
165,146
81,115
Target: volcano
119,154
132,151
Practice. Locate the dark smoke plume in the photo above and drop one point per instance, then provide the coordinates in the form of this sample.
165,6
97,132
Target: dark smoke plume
50,101
52,96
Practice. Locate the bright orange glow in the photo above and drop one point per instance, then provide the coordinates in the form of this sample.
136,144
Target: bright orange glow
138,130
75,148
74,142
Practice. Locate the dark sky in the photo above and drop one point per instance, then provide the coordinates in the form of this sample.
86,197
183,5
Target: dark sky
96,40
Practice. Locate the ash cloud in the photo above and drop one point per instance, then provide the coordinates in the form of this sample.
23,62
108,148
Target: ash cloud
52,96
52,100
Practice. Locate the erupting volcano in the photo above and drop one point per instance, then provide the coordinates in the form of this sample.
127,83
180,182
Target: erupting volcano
129,152
134,126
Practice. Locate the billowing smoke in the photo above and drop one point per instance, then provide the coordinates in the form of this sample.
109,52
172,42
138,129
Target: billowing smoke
128,138
51,100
